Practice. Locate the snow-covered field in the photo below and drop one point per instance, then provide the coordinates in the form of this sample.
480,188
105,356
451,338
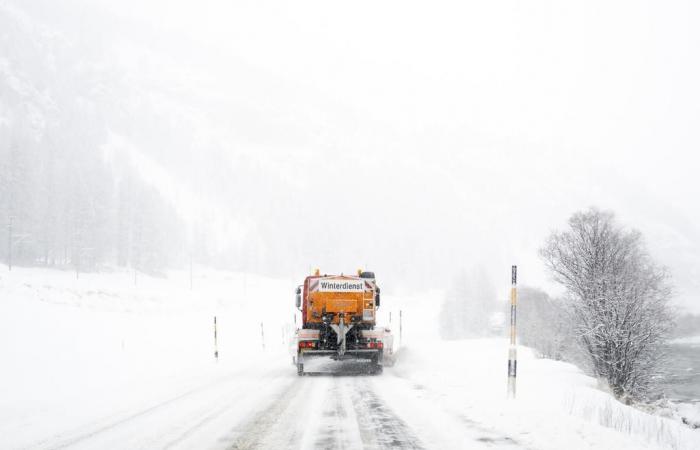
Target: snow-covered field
101,362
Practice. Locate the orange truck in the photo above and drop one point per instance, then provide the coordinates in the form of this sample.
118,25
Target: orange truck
339,320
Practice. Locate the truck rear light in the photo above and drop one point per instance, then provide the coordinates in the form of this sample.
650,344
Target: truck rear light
307,344
380,345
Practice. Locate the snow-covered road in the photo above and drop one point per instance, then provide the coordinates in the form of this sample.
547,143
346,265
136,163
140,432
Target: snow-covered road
199,414
276,409
327,412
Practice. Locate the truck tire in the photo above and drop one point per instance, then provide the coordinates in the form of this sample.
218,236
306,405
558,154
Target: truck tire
300,369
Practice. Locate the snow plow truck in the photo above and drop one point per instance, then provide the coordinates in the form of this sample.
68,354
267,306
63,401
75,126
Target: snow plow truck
338,320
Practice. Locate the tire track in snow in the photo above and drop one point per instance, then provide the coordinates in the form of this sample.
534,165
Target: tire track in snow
270,424
206,416
327,413
339,426
79,437
380,428
83,435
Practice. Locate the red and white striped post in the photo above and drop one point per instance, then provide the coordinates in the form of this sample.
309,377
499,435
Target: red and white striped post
512,350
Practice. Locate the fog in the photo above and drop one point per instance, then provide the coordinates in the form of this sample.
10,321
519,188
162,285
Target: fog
414,140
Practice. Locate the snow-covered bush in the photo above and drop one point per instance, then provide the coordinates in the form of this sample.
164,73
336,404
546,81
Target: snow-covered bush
601,409
617,298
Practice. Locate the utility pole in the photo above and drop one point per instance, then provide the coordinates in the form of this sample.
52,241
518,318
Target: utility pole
191,282
78,255
11,205
9,244
512,350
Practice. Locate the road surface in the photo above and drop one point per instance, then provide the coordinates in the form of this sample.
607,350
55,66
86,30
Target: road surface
276,409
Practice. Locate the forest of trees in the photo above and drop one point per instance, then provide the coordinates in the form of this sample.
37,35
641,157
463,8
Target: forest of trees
69,208
65,201
543,324
469,302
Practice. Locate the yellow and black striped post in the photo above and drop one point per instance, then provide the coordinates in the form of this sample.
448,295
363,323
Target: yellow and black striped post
512,350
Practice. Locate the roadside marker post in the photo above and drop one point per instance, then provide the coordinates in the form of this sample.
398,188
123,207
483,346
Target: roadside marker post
512,350
216,344
400,327
262,335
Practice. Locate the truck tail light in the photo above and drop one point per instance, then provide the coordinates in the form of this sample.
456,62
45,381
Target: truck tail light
375,344
307,344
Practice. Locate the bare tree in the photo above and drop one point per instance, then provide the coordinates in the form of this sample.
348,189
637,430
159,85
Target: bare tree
617,299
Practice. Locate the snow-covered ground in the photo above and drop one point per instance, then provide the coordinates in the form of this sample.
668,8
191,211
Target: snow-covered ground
103,362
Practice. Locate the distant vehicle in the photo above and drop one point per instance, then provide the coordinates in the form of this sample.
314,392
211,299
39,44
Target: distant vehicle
338,320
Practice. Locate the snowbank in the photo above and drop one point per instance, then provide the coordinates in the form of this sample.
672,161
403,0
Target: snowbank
556,405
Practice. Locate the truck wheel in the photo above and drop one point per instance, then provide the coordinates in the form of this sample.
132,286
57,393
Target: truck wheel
377,369
300,369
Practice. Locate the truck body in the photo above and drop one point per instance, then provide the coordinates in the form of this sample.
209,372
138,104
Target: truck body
339,319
